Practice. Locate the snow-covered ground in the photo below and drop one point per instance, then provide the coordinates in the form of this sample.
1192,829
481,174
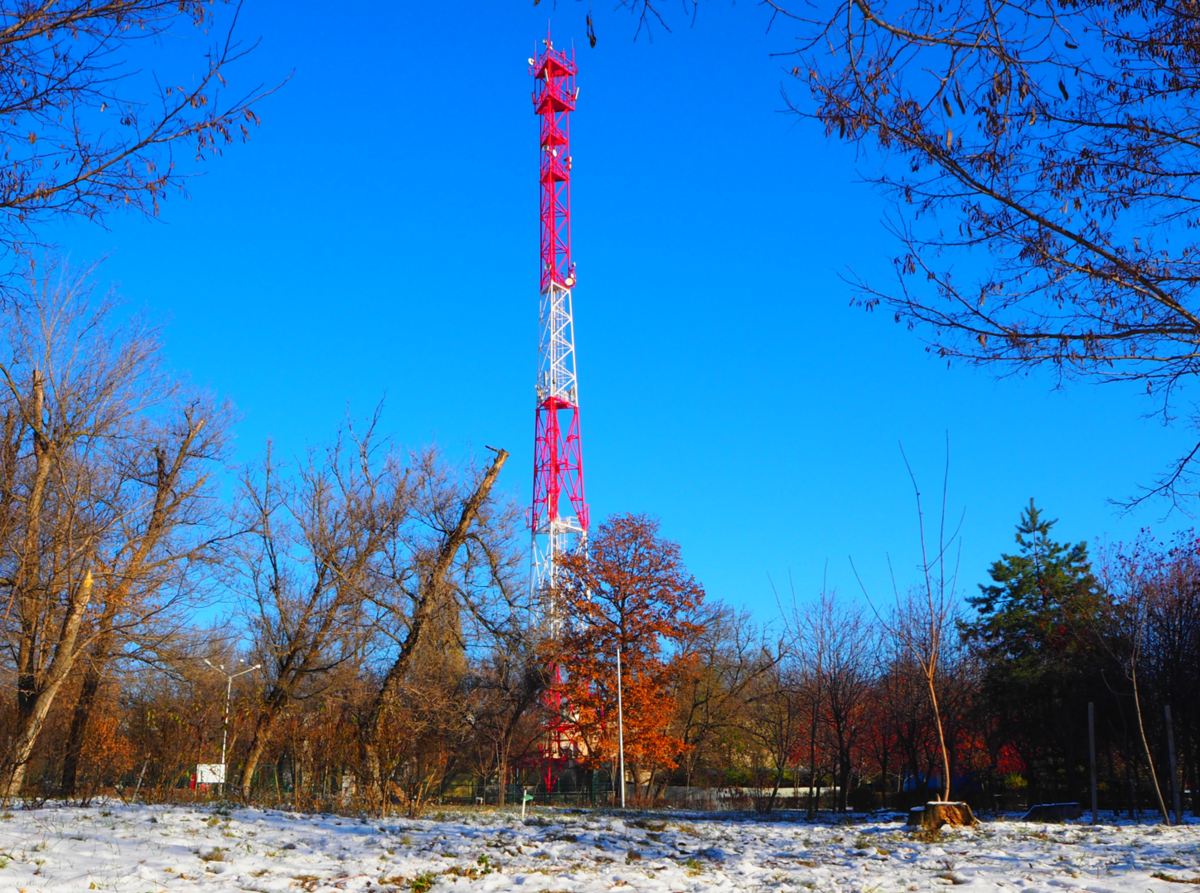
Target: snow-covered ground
152,848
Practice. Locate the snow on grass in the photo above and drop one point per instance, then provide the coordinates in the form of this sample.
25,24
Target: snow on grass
153,848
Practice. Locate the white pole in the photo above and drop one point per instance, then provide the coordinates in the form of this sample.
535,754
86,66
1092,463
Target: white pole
225,732
225,725
620,727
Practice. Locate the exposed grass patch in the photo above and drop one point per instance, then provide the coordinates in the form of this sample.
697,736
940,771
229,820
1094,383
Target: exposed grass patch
422,882
470,871
650,824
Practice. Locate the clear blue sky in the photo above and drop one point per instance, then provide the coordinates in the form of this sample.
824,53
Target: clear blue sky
378,235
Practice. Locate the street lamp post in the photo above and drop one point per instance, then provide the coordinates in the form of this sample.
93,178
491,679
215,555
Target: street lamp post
229,677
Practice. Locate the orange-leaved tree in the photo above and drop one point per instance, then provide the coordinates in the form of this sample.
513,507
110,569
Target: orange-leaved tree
633,591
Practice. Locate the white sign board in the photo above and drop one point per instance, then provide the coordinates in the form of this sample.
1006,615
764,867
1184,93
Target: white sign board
210,773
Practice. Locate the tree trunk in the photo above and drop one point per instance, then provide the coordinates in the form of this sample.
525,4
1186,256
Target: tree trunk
503,769
883,791
1114,802
77,732
813,797
774,791
83,707
1137,706
844,784
259,740
23,743
937,719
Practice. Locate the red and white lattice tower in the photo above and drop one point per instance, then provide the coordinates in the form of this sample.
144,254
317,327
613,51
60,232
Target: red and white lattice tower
558,455
558,526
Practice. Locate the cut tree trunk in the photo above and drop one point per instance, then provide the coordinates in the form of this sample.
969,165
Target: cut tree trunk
934,815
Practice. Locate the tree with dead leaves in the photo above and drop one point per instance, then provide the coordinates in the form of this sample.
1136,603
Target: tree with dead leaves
106,471
630,592
457,549
86,128
305,566
732,653
1045,174
502,698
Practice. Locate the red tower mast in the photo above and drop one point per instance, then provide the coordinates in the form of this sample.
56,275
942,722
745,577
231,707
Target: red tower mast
558,454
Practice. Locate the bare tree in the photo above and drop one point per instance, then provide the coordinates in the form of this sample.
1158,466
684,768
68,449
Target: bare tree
414,589
921,624
921,619
731,653
306,567
1133,580
905,717
169,528
90,531
774,715
845,644
1172,650
502,698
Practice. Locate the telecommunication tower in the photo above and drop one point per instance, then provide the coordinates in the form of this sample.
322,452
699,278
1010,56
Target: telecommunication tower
557,452
558,455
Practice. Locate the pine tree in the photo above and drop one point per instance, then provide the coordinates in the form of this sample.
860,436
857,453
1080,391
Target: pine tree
1035,634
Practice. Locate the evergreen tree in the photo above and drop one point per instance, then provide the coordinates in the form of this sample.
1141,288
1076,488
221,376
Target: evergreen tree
1034,633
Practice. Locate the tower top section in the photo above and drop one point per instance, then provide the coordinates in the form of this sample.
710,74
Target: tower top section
554,96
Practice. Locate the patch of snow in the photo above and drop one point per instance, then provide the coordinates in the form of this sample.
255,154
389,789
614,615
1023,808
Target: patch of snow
135,849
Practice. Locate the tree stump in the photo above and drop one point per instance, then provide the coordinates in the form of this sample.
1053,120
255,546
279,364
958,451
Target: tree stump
1053,812
934,815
